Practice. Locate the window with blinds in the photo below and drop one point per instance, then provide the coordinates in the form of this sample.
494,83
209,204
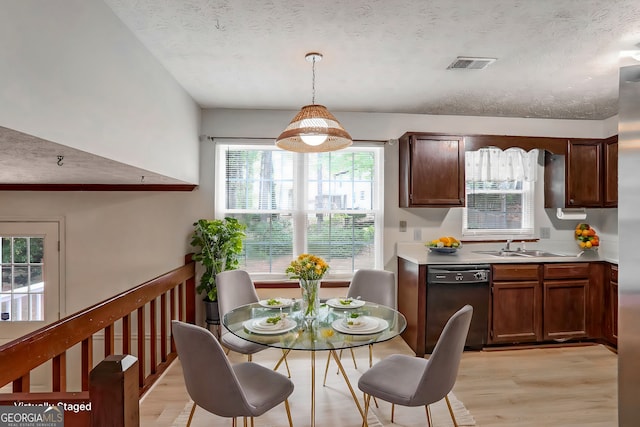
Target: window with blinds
327,204
499,188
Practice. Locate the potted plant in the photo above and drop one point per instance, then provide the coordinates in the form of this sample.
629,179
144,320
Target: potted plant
220,243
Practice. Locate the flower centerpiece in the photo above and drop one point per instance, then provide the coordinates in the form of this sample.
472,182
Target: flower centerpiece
308,269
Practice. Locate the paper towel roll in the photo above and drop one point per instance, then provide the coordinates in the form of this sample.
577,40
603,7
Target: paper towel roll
571,214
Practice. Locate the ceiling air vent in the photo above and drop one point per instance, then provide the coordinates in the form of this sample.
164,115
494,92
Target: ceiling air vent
470,63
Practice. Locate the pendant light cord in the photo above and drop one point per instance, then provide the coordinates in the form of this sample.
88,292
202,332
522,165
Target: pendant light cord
313,81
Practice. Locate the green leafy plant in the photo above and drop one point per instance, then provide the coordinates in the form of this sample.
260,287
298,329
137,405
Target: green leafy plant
220,244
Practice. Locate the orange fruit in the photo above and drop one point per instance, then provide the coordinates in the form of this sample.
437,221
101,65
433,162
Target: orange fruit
446,241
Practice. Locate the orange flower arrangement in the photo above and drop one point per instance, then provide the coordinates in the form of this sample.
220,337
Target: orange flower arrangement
307,267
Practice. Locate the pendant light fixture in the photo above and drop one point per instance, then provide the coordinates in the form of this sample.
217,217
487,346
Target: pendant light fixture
314,129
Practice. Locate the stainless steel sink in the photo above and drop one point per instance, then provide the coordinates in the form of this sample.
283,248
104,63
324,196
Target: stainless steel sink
522,253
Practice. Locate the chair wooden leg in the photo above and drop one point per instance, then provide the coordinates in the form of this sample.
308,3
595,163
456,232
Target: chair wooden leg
370,355
367,401
286,405
193,409
233,422
426,407
393,410
252,422
244,421
453,417
250,357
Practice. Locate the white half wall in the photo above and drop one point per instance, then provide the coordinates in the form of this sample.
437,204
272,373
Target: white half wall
73,74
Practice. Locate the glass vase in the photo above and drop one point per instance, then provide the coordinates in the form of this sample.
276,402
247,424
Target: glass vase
310,298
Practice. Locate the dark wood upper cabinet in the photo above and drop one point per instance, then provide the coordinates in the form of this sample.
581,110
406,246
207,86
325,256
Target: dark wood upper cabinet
431,170
584,173
610,182
577,179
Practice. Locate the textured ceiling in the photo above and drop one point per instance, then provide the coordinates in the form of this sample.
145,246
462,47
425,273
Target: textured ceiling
555,58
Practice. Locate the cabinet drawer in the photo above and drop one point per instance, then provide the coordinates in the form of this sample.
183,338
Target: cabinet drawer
564,271
614,273
515,271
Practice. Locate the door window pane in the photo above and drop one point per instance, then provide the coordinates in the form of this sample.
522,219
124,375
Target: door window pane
22,292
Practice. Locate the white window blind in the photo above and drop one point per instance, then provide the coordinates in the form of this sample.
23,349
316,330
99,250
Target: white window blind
499,193
328,204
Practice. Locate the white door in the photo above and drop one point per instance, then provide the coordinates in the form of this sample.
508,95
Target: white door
30,288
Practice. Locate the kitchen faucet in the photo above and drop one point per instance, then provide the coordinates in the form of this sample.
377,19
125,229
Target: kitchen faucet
507,247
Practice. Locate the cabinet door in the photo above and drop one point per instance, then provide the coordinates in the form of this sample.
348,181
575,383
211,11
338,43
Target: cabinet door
610,181
611,309
516,312
565,309
432,171
584,174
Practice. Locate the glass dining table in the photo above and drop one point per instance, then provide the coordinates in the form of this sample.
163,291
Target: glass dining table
339,325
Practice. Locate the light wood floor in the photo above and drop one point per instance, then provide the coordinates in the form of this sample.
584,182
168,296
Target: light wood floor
568,387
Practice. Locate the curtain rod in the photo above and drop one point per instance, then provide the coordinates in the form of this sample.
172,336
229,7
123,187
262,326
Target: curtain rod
240,138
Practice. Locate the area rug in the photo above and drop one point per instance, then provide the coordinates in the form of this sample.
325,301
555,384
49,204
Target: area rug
378,417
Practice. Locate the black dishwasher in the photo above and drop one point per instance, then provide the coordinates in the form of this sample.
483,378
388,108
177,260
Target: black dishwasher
449,288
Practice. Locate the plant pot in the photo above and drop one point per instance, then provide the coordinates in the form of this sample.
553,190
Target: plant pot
212,311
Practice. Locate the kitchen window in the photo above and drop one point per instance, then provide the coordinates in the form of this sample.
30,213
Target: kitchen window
328,204
500,187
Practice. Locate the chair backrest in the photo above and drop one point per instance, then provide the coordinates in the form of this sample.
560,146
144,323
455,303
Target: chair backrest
441,372
208,375
377,286
235,288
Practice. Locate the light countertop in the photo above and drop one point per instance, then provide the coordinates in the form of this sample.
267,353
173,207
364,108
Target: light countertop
418,253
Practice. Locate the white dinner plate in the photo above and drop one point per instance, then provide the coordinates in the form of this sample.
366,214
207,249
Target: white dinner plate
258,326
371,326
354,303
282,302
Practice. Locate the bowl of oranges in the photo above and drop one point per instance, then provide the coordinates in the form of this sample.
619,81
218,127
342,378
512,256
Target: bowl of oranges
444,245
587,237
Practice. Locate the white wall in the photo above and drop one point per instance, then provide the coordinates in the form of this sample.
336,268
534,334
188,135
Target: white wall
431,222
73,74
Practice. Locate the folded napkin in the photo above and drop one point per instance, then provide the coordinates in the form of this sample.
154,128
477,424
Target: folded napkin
275,322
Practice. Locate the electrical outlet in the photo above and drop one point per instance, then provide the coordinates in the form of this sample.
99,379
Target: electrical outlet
403,226
545,233
417,234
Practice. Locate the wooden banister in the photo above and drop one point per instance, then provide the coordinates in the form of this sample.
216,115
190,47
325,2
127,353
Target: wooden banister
50,343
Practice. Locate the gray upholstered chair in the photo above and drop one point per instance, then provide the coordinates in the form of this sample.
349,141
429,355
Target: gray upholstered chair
235,288
412,381
376,286
240,390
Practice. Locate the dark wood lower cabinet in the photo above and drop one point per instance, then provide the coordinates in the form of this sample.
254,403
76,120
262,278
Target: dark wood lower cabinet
530,302
539,302
610,320
517,312
565,309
